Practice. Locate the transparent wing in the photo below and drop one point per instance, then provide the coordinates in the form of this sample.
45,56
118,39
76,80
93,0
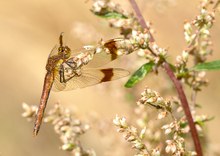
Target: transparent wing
89,77
54,51
103,57
107,53
57,85
99,59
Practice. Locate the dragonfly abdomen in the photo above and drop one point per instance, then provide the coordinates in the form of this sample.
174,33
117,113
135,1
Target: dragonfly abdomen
48,82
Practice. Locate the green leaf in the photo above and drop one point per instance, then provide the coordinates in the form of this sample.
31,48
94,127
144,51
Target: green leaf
110,15
139,74
214,65
202,121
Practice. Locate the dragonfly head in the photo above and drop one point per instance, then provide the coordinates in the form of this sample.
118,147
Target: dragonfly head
64,51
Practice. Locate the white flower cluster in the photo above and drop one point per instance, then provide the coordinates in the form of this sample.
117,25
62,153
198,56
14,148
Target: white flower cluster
141,39
29,111
103,6
152,98
188,33
205,19
181,60
98,5
159,51
131,135
68,128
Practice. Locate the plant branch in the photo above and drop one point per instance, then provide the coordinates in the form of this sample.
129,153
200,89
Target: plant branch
176,83
141,18
186,108
216,4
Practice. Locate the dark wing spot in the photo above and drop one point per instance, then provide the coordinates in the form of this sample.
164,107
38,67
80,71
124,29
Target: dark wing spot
112,49
108,74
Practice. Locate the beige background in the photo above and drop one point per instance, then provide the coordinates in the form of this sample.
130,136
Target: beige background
28,31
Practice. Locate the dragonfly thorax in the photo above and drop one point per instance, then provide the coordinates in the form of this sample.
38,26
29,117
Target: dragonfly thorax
53,62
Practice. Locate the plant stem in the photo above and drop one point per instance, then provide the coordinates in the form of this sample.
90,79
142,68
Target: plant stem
186,108
176,83
141,18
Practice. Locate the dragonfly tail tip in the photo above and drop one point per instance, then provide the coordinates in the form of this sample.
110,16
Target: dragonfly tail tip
35,132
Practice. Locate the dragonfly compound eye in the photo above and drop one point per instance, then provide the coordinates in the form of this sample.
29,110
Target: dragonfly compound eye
60,50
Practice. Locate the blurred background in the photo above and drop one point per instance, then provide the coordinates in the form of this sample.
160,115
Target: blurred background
28,31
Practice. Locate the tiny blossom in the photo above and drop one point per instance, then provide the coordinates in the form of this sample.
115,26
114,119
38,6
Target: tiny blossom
168,131
165,126
199,128
116,121
29,111
98,5
159,51
171,147
123,122
140,38
141,53
193,153
179,109
162,115
130,138
185,130
188,28
185,55
156,152
142,133
67,147
152,98
138,145
182,60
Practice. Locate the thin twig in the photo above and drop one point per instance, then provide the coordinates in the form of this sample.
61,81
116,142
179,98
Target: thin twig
193,98
176,83
216,4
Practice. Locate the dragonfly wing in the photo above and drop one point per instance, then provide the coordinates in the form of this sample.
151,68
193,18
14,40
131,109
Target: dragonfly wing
91,77
108,53
102,54
99,59
57,85
54,51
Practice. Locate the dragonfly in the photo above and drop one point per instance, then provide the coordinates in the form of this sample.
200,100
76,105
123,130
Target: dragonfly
69,70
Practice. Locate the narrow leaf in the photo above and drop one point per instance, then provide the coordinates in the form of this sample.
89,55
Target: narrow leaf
214,65
110,15
139,74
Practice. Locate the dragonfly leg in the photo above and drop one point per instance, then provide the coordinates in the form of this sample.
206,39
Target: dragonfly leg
61,72
66,80
62,75
75,65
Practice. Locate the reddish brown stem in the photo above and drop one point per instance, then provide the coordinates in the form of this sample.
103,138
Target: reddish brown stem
186,108
141,18
176,83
